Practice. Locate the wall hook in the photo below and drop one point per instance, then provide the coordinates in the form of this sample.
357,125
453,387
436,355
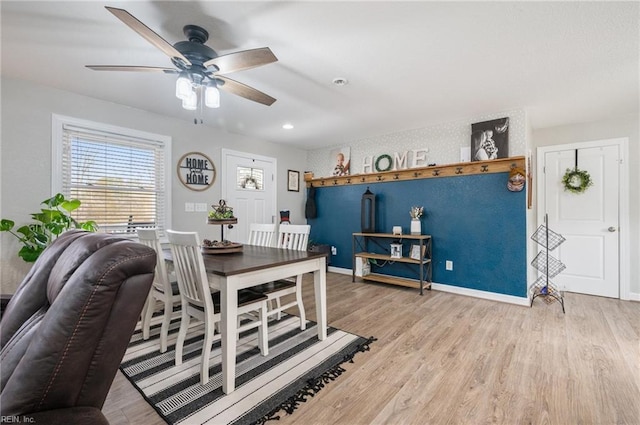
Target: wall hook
416,174
395,176
362,179
349,180
436,172
322,182
484,168
379,178
335,182
458,170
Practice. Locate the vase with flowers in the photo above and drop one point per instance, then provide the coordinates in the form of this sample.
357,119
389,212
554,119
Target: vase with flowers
416,226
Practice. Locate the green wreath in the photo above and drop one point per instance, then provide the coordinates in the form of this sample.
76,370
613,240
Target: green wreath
576,180
381,157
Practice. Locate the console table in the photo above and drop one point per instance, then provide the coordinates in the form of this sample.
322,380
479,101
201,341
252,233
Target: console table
376,246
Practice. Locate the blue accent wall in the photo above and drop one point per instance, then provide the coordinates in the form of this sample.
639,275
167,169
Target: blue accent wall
474,221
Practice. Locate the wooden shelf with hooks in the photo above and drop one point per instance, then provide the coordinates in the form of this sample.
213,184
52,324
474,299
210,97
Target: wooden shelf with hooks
450,170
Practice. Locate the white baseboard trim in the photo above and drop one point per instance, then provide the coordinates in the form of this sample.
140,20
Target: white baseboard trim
510,299
634,296
340,270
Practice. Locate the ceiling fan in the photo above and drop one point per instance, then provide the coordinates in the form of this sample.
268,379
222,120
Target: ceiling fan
199,67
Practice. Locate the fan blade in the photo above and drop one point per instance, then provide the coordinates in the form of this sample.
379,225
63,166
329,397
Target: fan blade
243,90
147,33
245,59
132,68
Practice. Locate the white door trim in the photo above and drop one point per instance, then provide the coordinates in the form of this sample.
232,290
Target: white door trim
623,145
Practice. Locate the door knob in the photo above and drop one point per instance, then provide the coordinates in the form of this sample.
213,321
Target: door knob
611,229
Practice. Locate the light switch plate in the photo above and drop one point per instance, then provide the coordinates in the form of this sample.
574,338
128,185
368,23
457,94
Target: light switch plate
201,207
189,207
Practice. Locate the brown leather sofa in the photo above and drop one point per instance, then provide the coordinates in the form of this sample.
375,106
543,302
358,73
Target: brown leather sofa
65,330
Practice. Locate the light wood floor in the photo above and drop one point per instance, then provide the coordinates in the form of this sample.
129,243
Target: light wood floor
449,359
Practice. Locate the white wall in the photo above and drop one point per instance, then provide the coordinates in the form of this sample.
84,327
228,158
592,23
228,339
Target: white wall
25,171
443,142
622,126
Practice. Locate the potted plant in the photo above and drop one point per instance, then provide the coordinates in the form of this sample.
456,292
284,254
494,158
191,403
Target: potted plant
50,222
416,226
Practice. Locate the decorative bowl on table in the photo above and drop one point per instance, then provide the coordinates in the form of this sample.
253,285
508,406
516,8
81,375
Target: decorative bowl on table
220,247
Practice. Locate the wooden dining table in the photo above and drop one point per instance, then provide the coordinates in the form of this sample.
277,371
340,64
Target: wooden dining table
253,266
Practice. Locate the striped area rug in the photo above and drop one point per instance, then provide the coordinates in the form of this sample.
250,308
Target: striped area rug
297,367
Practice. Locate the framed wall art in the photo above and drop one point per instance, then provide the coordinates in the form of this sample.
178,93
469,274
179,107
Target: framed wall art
490,140
293,181
196,171
341,160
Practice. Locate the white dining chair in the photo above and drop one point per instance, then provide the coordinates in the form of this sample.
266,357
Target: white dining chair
261,234
292,237
164,290
200,303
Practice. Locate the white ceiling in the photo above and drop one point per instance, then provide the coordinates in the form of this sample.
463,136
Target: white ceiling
409,64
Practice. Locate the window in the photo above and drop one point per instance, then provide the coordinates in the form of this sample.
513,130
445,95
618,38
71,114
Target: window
250,178
119,175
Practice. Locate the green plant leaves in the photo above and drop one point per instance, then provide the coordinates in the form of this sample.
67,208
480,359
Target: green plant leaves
90,226
54,201
70,205
51,222
6,225
30,254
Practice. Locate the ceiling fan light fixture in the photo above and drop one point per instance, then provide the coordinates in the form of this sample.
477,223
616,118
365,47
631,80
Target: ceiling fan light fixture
212,96
191,102
197,65
183,86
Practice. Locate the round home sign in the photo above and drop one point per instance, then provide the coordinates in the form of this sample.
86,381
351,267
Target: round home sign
196,171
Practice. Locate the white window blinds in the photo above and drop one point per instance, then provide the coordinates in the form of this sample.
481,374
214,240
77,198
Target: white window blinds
120,180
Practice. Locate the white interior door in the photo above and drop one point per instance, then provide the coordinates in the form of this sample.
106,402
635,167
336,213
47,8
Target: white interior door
249,187
589,221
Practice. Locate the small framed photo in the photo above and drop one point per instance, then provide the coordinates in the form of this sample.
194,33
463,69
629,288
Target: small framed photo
293,181
396,250
416,253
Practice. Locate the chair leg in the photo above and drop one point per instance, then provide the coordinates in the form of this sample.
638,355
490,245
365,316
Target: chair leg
164,330
147,314
182,334
279,313
263,331
206,352
303,316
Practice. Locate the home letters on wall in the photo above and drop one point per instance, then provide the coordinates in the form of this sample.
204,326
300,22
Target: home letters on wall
196,171
399,161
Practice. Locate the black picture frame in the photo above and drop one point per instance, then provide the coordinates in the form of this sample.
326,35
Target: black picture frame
490,140
293,181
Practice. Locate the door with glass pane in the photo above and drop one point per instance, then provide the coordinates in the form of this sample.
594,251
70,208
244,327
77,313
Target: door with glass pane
248,186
